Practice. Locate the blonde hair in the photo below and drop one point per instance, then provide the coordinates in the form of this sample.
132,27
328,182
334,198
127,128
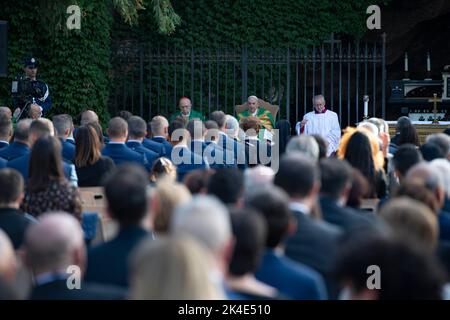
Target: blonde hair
171,268
377,154
168,194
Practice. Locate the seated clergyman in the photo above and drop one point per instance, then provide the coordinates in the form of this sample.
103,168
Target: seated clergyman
255,110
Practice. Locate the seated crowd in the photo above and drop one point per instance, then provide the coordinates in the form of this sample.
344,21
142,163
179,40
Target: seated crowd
208,209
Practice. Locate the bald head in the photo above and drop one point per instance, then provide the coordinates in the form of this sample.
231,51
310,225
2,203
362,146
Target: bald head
88,116
5,111
22,131
185,105
54,243
8,263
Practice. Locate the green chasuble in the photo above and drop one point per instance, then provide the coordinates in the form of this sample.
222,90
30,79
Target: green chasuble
194,114
264,116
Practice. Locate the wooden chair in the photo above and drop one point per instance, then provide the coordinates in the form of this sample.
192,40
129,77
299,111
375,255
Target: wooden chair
93,200
273,109
370,205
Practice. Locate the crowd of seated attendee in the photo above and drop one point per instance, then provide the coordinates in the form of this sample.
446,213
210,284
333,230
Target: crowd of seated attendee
211,208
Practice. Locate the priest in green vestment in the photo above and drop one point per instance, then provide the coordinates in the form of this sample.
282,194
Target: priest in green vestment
186,111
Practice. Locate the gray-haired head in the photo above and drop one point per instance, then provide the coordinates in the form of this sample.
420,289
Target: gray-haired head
369,126
22,130
205,219
257,177
231,126
54,243
427,174
443,166
318,97
304,144
441,140
159,126
63,125
88,116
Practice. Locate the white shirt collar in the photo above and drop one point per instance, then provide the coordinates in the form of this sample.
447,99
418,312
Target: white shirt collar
159,137
4,141
116,142
298,206
131,140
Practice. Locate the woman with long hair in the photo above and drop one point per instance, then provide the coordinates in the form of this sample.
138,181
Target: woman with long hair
91,166
48,189
362,150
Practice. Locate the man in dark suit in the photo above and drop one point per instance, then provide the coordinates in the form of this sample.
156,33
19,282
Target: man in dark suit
335,188
56,255
136,133
63,124
39,128
211,139
211,151
6,131
315,242
185,160
126,195
20,145
290,277
160,129
12,220
227,143
116,148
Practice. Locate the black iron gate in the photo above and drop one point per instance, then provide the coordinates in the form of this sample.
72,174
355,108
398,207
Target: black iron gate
150,80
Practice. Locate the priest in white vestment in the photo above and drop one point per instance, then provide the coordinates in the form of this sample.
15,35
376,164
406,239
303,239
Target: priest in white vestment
322,122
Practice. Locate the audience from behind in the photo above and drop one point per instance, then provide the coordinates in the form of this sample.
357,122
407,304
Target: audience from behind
234,139
361,149
442,141
359,190
163,168
124,114
20,145
5,111
54,253
137,129
181,156
168,196
171,268
250,232
99,131
207,220
414,189
8,262
304,144
443,167
258,177
47,188
335,188
228,186
431,151
160,134
411,220
431,178
116,148
291,278
6,131
12,219
88,116
407,272
256,151
197,181
404,158
63,129
127,204
323,145
40,128
90,165
315,241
